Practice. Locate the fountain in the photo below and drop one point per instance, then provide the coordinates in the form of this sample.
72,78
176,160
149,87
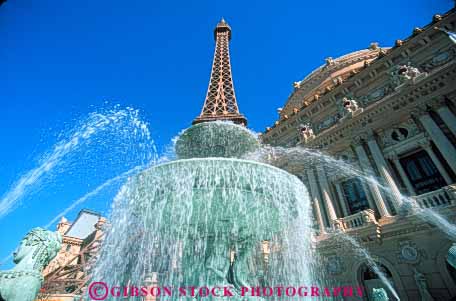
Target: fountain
206,219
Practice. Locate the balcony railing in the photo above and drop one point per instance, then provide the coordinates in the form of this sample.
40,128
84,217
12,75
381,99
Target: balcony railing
445,196
357,220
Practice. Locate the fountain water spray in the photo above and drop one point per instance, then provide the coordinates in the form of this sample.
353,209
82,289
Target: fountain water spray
120,128
94,192
301,158
371,264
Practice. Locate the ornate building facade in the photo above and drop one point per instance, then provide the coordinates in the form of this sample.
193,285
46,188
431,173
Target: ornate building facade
67,275
391,113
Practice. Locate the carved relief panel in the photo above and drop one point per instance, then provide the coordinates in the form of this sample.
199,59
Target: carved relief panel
399,133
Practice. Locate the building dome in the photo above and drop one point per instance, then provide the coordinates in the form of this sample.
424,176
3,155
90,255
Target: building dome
329,75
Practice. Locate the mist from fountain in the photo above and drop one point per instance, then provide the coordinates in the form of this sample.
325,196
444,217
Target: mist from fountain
115,136
94,192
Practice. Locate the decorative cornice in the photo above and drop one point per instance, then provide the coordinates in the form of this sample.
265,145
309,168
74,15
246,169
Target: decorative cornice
72,240
402,99
419,110
358,140
321,74
425,144
388,60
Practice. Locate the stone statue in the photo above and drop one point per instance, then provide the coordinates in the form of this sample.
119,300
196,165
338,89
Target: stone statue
306,132
329,61
379,294
23,282
350,107
403,74
451,257
420,281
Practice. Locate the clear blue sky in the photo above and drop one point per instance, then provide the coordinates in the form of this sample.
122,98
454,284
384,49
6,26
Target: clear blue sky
60,60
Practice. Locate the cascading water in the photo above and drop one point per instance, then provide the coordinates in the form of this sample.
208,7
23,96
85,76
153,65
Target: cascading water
210,220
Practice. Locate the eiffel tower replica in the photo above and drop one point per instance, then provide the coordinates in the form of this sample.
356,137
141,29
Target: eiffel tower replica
220,103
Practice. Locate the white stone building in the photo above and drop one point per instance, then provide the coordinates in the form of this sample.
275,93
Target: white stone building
390,112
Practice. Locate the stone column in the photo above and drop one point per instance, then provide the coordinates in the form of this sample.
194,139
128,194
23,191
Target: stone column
316,199
342,201
395,158
441,141
448,117
426,145
325,194
367,169
382,167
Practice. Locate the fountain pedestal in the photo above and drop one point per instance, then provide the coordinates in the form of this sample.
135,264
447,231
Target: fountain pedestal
215,206
201,221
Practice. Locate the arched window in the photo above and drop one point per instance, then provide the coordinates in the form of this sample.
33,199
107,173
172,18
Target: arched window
370,280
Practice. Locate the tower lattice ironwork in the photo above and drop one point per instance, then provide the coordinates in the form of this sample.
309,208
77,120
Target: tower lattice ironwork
220,103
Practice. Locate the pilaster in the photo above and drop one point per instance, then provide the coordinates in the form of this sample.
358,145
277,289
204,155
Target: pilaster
441,141
367,169
316,200
330,208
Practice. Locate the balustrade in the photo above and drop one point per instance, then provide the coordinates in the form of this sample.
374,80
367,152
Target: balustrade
445,196
357,220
